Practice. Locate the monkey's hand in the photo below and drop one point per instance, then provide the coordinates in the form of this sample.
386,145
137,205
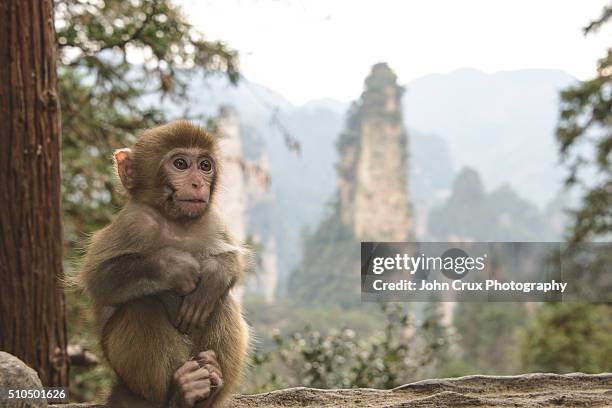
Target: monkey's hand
198,305
179,269
192,383
208,360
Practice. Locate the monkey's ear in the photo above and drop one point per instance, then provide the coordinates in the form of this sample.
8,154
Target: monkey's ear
124,166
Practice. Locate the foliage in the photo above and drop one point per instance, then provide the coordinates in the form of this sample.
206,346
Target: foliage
576,336
395,355
568,337
586,117
320,277
288,315
86,383
487,336
115,58
438,338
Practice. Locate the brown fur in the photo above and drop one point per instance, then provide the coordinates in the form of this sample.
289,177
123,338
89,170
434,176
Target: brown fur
135,320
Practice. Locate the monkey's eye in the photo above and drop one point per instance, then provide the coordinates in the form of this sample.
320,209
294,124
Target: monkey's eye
180,164
206,165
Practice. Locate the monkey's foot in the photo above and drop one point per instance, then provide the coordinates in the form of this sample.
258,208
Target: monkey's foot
192,383
208,361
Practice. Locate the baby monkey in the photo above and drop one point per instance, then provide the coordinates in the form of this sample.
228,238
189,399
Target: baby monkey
159,277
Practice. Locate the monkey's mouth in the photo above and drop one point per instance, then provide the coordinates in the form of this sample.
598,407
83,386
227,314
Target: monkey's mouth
191,207
192,200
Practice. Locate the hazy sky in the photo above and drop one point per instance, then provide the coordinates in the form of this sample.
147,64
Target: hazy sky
311,49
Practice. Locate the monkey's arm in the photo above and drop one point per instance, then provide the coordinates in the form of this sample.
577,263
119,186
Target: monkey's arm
129,276
220,273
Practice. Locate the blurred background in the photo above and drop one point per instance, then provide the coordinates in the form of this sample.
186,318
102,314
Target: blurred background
343,122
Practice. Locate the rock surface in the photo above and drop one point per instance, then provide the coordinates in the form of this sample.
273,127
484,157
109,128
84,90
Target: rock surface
529,390
15,374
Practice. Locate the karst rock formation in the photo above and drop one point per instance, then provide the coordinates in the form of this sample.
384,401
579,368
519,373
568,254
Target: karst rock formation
373,190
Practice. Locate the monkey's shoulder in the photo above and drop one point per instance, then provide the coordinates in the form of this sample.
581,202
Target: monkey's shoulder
126,233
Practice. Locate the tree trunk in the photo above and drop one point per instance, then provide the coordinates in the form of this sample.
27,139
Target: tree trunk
32,315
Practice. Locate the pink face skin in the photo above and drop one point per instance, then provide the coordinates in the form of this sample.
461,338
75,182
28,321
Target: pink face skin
190,178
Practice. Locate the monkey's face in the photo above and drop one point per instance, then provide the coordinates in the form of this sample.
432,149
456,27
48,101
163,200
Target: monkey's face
187,180
172,168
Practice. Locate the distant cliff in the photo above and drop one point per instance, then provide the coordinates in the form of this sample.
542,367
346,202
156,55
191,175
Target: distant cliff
372,187
245,201
372,201
232,189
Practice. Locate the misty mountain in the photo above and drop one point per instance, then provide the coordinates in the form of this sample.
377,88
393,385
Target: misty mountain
500,124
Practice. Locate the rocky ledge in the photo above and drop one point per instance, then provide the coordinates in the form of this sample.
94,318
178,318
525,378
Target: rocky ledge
528,390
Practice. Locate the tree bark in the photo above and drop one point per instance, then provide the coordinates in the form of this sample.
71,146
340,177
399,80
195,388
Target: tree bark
32,314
